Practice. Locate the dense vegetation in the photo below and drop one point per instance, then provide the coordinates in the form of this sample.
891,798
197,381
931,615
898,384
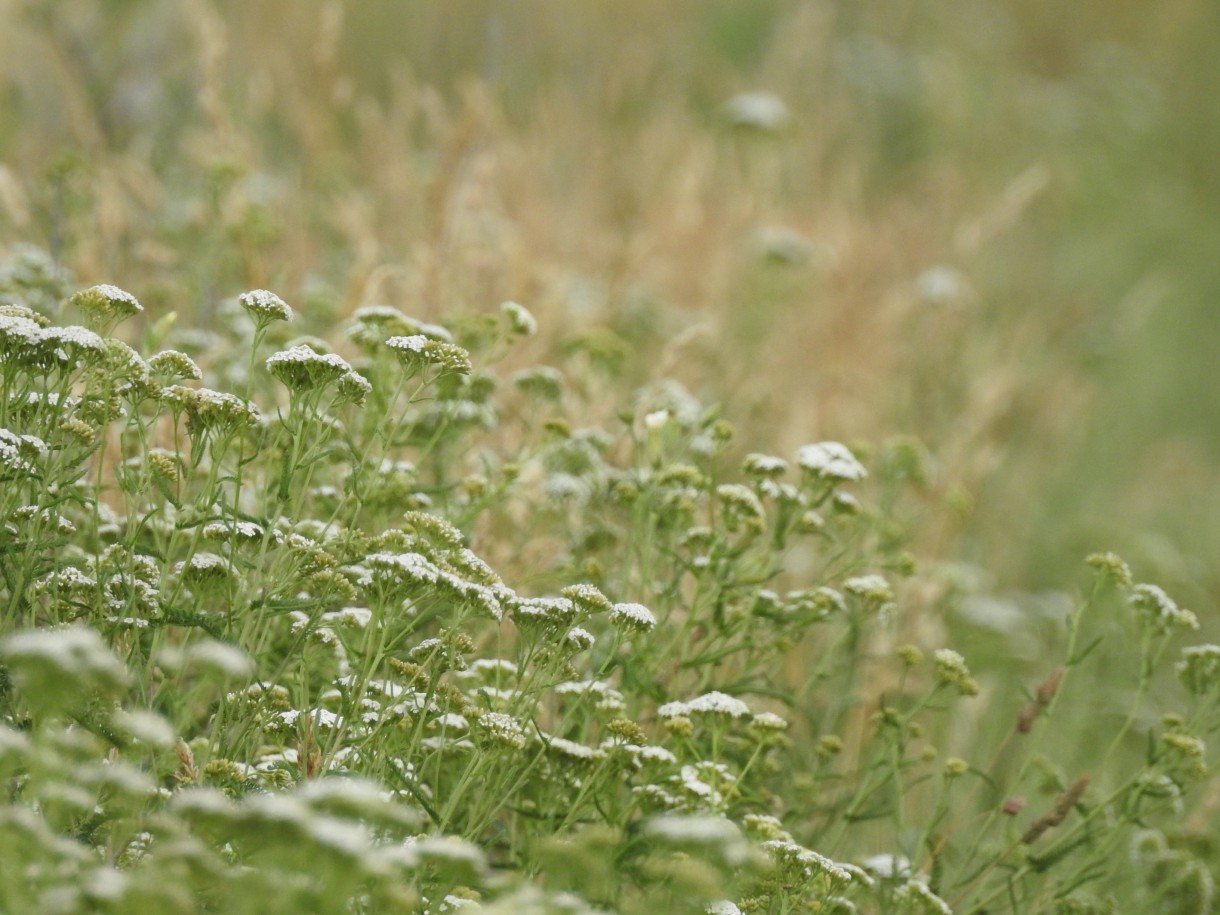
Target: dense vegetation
382,592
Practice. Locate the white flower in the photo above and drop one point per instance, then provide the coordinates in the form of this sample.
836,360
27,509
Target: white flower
656,420
769,721
701,831
763,111
265,306
415,343
503,729
870,587
830,461
1159,609
572,749
888,866
764,465
579,639
633,616
520,321
713,703
942,286
172,363
917,891
301,368
106,300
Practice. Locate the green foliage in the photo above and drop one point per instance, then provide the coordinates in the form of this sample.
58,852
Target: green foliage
283,648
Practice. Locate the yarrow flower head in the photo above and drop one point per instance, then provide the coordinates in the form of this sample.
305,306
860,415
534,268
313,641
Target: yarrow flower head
520,321
211,411
171,364
587,598
917,895
951,670
502,730
764,112
872,588
764,466
68,346
372,325
830,461
301,369
713,703
106,305
265,307
633,617
1158,610
541,380
542,612
417,351
1199,669
1112,566
16,453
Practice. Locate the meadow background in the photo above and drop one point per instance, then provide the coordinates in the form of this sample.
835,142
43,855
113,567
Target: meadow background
1060,162
988,227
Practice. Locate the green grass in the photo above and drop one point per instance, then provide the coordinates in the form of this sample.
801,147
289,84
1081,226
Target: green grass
296,618
253,663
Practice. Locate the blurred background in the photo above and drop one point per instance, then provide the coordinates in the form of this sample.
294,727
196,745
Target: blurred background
992,226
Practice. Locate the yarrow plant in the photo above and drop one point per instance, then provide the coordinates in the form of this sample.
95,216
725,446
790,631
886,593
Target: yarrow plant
364,630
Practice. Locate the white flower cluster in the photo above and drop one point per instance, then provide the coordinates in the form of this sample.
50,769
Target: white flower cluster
13,450
107,302
265,306
520,321
1199,669
415,351
764,465
872,588
632,616
301,369
503,729
809,863
713,703
830,461
1159,610
765,112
